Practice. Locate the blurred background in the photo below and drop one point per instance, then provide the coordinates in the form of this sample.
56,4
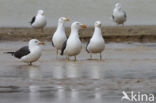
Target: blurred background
17,13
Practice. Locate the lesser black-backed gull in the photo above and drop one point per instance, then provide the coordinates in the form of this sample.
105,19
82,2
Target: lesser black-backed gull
72,46
30,53
59,36
39,21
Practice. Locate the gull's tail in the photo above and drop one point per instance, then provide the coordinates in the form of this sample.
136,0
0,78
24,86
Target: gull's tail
12,53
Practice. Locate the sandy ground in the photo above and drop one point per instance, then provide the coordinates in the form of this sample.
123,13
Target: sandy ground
125,66
110,33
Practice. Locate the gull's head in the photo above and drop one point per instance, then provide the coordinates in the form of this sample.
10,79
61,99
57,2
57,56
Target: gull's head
63,19
40,12
78,25
97,24
35,42
118,5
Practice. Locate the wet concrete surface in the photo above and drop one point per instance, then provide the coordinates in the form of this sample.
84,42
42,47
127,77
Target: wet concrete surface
125,66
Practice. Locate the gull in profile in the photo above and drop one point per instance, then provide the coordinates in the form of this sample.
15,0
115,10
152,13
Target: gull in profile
39,21
30,53
59,36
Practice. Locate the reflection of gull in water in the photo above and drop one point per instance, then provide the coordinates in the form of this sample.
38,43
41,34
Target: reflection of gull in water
72,70
34,72
29,71
94,72
74,96
58,71
34,94
97,94
34,88
60,93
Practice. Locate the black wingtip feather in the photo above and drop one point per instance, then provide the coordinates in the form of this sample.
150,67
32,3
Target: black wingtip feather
113,17
61,53
52,44
87,46
32,20
63,47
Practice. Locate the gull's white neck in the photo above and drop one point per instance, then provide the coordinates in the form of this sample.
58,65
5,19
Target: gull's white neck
31,47
74,32
60,26
39,15
97,32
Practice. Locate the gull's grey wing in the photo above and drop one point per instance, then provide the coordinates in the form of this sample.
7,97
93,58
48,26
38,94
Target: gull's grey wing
87,46
22,52
63,47
113,17
125,14
52,43
33,20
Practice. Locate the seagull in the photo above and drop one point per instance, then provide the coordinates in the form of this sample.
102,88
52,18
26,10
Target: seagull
96,44
119,15
72,46
30,53
39,21
59,36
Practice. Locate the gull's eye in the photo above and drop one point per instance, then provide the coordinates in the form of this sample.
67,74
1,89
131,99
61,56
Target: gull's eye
36,41
62,18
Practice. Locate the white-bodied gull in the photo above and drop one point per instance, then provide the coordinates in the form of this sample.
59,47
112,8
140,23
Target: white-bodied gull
39,21
72,46
30,53
96,44
119,15
59,36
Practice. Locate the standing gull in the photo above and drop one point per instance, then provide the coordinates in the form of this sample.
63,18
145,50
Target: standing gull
96,44
72,46
119,15
59,36
39,21
30,53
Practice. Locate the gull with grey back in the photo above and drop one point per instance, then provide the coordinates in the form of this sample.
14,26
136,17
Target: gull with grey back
30,53
39,21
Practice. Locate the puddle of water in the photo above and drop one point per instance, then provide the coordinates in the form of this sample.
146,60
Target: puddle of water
124,67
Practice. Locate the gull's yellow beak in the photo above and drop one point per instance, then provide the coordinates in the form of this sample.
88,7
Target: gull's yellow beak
99,25
41,43
83,26
66,19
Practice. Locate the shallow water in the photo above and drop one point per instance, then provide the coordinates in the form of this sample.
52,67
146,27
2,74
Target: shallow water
124,67
17,13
